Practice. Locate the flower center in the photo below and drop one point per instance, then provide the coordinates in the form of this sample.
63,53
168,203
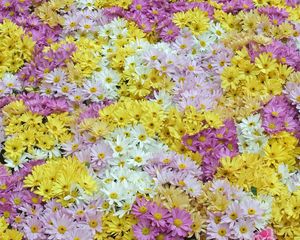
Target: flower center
34,228
113,195
233,216
251,211
143,209
157,216
93,224
145,231
243,229
222,232
61,229
178,222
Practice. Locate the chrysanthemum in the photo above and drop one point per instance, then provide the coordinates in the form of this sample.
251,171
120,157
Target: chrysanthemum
62,225
180,222
144,231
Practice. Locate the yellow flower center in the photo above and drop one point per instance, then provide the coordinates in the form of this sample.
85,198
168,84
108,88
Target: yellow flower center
142,137
202,138
178,222
233,216
143,209
243,229
222,232
182,166
6,214
17,201
189,141
113,195
251,211
93,89
157,216
145,231
118,148
61,229
34,228
93,223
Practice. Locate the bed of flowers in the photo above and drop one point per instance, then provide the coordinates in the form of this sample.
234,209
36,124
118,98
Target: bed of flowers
149,120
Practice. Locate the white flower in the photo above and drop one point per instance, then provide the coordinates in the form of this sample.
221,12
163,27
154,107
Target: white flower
55,77
216,30
121,174
10,81
251,122
120,146
107,77
16,166
139,136
284,172
204,41
138,157
163,98
85,4
115,192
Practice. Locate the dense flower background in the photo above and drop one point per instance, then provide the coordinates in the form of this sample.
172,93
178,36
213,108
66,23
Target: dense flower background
149,120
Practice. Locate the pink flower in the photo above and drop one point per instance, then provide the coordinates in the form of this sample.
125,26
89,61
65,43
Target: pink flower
218,231
265,234
141,207
33,229
144,231
158,215
180,223
62,225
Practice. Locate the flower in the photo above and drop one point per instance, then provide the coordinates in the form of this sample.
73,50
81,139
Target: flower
144,231
180,222
61,226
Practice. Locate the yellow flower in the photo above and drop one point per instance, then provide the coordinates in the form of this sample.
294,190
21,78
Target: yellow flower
10,234
57,179
3,225
265,63
230,78
17,44
195,19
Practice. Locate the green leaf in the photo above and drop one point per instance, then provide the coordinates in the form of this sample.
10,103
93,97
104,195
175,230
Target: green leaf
254,190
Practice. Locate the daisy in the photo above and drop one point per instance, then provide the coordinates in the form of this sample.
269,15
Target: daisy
94,221
251,208
218,231
120,146
139,157
139,136
108,78
192,186
141,208
92,88
101,151
86,25
115,192
81,233
62,225
233,214
71,22
158,216
180,222
55,77
33,228
244,230
144,231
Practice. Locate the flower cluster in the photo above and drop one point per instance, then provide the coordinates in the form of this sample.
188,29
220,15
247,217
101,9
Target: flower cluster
157,221
149,120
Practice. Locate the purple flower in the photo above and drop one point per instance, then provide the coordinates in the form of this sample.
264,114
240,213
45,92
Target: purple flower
144,230
180,223
158,216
